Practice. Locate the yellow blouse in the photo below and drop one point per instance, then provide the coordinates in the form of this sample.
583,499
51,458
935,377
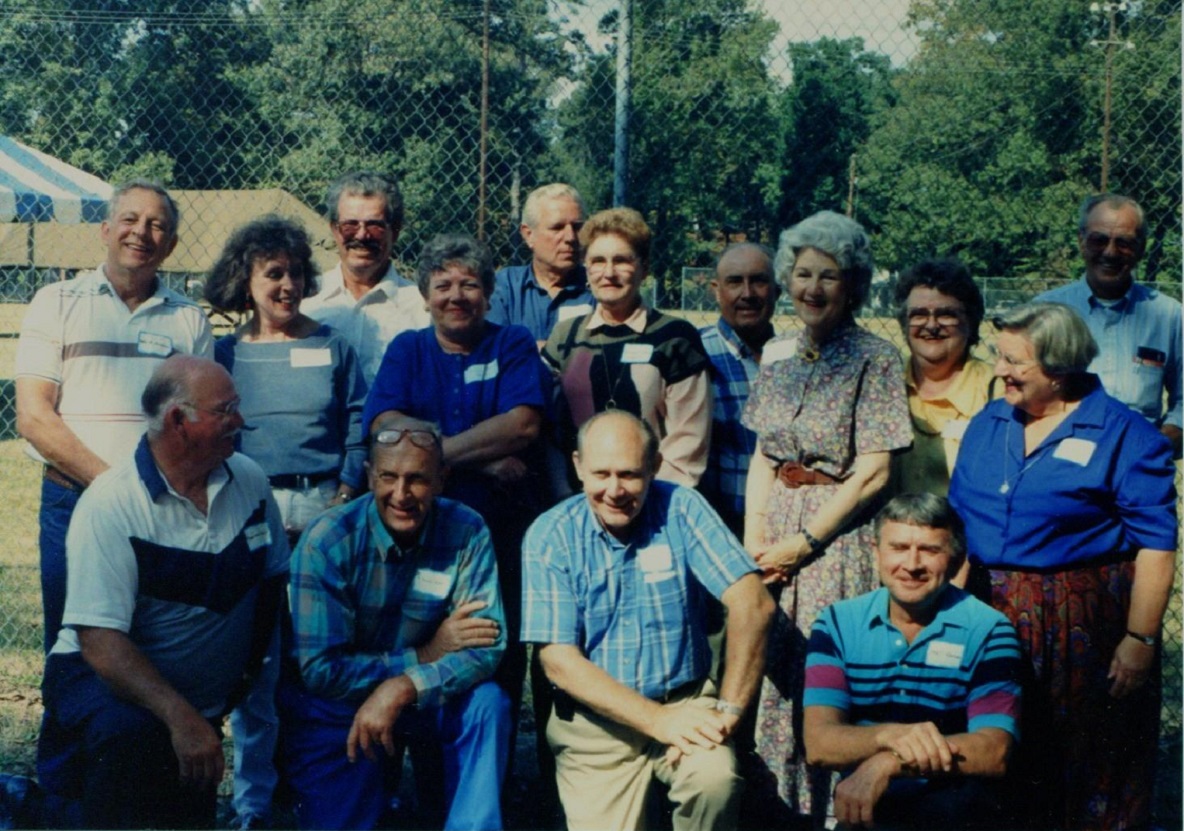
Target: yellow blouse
938,425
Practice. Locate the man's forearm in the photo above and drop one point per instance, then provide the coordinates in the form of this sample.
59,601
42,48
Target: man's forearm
588,684
41,425
130,675
750,613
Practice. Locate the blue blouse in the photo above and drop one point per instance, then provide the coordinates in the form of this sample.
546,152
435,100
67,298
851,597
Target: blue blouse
1100,487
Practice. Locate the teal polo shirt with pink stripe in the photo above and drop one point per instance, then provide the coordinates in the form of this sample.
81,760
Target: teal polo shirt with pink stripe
961,671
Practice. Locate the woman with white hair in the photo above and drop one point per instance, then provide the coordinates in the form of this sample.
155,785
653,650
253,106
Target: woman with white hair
1070,512
828,409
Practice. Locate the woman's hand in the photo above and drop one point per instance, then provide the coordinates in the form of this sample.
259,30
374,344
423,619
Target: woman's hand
779,561
1130,666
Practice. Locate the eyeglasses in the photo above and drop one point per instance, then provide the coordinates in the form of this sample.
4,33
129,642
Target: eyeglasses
1097,242
598,266
375,228
1010,361
228,410
424,439
945,317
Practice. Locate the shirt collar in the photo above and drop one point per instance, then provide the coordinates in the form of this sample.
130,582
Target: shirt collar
578,283
384,543
388,286
735,342
636,321
962,393
154,480
877,615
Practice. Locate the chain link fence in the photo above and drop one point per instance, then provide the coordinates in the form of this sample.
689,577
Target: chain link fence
957,128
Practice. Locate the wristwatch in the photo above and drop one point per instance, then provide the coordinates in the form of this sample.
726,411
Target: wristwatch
722,705
1149,640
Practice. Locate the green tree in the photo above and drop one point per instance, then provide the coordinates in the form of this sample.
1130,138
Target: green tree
995,136
703,129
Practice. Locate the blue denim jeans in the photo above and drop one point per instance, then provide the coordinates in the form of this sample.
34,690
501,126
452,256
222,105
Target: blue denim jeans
57,506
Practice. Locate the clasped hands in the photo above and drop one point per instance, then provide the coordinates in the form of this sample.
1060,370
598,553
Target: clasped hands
687,727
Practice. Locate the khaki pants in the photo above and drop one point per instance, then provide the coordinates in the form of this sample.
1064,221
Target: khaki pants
604,771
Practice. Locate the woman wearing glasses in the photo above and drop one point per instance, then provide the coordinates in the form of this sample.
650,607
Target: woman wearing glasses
301,386
624,356
940,310
1070,512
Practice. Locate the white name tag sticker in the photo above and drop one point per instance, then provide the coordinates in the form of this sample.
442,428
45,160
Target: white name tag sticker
431,583
658,576
954,429
637,353
258,536
310,357
481,372
779,351
944,654
655,558
156,345
1078,451
578,310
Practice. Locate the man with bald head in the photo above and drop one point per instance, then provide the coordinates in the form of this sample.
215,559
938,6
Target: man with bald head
177,558
397,629
746,292
615,583
1136,326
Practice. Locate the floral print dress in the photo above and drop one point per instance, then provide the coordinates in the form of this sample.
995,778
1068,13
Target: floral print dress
821,414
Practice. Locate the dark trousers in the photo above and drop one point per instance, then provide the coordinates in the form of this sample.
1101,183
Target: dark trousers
112,759
57,506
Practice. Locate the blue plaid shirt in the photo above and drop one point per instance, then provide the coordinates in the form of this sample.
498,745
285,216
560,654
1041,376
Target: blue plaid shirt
361,604
636,608
733,370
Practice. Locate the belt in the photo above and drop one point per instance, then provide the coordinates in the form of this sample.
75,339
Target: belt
299,482
793,475
566,705
58,478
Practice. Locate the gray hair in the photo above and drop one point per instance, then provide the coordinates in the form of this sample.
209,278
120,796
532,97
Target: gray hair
924,510
169,386
399,421
839,237
648,436
1112,200
555,190
153,186
460,250
366,183
1060,339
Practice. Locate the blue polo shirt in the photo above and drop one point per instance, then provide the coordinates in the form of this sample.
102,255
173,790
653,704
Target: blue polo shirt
636,609
961,671
519,299
421,380
1099,488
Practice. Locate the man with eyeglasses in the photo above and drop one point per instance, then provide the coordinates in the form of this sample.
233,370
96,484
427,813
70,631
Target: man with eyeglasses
177,565
364,297
87,347
1137,327
397,629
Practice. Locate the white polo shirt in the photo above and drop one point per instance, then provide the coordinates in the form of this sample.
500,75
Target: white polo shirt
80,335
181,584
391,306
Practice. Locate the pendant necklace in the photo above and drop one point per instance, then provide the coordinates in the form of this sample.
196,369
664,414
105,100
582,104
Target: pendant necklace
1007,480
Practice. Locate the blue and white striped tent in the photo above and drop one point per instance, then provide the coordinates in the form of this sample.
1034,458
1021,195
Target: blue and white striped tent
35,187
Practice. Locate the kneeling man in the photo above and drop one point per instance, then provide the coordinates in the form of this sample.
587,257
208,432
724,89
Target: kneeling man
913,689
616,581
397,628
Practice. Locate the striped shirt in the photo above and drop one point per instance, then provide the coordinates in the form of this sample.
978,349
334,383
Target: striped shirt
361,604
635,608
80,335
734,369
961,672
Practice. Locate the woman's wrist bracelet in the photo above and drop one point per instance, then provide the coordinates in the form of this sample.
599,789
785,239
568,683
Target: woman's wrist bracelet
1148,640
812,541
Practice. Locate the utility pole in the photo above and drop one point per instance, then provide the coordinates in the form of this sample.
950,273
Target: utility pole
851,181
621,121
484,151
1111,11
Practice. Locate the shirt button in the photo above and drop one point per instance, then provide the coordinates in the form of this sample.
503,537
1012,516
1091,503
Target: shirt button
899,642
